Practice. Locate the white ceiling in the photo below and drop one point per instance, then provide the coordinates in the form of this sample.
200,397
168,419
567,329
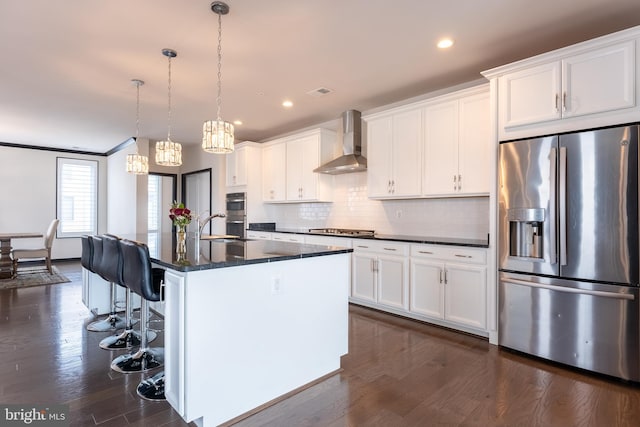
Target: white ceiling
66,66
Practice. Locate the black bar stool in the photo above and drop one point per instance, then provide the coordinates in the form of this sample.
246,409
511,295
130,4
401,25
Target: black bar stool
86,256
145,281
112,321
111,267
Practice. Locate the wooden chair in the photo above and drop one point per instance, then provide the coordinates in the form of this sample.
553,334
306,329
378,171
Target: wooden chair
38,253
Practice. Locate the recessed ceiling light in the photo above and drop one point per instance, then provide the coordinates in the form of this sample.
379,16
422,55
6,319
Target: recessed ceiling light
445,43
287,104
237,122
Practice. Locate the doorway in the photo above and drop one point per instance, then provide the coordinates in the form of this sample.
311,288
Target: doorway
162,191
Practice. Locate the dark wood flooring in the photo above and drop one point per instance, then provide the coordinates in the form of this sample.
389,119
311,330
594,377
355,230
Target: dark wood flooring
398,373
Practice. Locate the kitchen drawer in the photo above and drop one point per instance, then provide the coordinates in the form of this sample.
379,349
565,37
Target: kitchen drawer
381,246
287,237
450,253
260,235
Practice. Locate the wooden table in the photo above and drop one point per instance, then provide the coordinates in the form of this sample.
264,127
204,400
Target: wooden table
6,264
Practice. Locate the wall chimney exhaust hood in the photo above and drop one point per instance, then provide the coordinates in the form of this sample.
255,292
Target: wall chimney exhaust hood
350,134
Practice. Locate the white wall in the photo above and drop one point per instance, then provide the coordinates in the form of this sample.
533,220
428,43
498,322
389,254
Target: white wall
123,205
28,201
195,159
351,208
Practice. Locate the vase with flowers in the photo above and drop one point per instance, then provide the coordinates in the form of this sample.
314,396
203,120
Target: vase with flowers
181,217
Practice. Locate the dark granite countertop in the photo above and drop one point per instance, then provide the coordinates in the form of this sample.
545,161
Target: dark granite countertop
222,254
473,243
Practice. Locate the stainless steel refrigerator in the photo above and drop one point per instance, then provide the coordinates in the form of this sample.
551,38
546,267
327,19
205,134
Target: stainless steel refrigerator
568,249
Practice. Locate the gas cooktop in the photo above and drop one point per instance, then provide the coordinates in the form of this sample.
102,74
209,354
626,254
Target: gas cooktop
342,232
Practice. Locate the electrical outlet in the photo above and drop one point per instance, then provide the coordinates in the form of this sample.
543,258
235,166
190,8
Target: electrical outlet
276,285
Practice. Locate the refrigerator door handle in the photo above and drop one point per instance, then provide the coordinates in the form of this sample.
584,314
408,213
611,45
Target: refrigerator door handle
552,207
562,205
604,294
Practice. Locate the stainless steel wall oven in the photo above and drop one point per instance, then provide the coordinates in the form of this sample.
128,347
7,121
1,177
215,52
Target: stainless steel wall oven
236,205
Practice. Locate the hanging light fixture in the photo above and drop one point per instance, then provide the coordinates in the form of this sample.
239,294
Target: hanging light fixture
217,135
169,153
137,163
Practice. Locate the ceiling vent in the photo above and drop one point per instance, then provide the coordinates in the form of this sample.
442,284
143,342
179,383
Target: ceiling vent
321,91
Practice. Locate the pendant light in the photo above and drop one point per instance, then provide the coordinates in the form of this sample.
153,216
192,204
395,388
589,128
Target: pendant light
217,135
169,153
137,163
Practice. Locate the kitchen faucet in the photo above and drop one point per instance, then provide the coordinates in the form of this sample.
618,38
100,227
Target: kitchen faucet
204,222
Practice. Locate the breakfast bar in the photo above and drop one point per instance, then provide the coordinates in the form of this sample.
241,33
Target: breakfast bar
247,322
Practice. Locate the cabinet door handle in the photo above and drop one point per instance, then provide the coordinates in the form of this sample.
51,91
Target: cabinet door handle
455,183
390,249
459,182
440,275
393,186
425,252
463,256
363,247
557,99
564,101
445,277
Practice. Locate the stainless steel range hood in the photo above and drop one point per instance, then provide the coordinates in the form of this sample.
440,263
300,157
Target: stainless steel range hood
351,159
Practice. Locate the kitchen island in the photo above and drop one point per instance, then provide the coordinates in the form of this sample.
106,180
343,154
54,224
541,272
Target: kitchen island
248,322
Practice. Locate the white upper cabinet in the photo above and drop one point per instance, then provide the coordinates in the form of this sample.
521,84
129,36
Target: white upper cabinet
457,145
394,147
531,95
587,85
238,163
237,167
474,144
274,157
612,69
288,166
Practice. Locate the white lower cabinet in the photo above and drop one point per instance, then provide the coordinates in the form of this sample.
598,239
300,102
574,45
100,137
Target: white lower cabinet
380,274
449,284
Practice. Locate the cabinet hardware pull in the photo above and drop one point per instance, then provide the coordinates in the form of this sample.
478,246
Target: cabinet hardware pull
390,249
459,182
440,275
557,99
163,291
564,101
363,247
463,256
455,184
426,252
445,277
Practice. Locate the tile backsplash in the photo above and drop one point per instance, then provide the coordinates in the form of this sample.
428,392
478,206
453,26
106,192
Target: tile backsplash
465,217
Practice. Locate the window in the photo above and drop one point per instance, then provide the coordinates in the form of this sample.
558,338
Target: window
153,206
77,198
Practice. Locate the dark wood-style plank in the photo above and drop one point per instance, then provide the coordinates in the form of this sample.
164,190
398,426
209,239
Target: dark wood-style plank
398,372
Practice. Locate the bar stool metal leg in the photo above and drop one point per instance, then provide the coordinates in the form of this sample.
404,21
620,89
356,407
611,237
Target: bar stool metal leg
128,338
111,322
146,357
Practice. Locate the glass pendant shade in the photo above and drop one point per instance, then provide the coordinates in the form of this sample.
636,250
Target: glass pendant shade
168,153
217,137
137,164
